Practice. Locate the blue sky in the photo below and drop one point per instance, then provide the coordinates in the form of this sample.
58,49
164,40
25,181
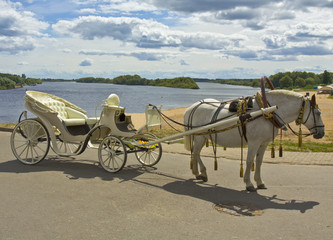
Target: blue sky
159,38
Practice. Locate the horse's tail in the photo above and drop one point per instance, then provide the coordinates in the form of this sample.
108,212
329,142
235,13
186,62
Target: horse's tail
187,138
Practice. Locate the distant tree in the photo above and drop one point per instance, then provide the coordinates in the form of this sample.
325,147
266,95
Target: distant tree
6,83
286,82
275,79
310,81
23,76
300,82
327,78
255,83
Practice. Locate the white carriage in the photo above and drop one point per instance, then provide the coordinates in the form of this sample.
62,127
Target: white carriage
67,129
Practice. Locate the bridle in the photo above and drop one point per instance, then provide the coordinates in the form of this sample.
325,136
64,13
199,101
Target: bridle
313,107
278,121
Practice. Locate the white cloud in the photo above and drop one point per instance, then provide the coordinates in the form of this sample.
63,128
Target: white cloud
87,11
18,29
144,33
126,6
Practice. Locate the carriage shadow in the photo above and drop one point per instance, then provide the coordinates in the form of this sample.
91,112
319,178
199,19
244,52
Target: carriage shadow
86,169
74,169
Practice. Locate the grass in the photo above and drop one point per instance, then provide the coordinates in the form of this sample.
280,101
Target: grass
7,125
292,146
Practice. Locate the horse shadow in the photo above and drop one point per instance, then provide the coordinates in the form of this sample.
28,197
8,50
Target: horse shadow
217,195
87,169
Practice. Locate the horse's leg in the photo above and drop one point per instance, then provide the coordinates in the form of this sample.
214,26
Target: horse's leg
198,143
252,151
259,159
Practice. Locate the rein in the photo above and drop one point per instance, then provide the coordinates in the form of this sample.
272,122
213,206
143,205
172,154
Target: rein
262,85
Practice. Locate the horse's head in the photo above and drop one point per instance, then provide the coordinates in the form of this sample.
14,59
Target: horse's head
312,118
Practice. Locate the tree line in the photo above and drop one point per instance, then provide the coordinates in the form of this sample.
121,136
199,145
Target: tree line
10,81
179,82
287,80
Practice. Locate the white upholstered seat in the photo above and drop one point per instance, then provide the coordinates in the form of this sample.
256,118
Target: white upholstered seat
69,116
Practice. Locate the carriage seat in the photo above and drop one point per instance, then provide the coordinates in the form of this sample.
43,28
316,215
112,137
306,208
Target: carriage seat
69,116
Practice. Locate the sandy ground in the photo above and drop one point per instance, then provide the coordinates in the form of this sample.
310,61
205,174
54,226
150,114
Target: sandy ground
325,105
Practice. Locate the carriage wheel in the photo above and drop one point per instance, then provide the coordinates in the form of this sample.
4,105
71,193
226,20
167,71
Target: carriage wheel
151,154
112,154
30,141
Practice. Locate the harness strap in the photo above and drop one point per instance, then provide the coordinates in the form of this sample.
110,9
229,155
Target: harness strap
243,118
218,110
299,119
272,117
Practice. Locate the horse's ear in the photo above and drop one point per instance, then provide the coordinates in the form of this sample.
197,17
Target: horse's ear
313,100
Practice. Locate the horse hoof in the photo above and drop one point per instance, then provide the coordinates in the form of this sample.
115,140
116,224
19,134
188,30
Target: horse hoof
203,178
262,186
251,189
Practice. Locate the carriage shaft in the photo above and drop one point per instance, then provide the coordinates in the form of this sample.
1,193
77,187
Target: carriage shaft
262,111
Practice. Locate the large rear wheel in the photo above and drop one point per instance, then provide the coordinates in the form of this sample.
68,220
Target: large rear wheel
30,141
112,154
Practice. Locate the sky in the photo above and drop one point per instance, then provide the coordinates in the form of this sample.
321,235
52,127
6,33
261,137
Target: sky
165,38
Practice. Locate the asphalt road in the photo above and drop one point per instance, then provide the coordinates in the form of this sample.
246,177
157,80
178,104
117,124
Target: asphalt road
66,198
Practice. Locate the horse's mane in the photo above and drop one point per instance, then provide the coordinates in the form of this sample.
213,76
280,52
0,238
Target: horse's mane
286,93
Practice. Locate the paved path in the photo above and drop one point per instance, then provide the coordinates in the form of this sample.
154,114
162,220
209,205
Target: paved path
66,198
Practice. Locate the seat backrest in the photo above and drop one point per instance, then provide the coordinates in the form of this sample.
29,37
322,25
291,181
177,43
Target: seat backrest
58,107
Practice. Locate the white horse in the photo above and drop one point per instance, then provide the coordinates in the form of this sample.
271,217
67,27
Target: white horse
259,132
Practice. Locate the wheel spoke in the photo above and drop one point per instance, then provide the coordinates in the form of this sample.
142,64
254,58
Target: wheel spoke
32,154
36,132
26,156
24,150
24,144
37,155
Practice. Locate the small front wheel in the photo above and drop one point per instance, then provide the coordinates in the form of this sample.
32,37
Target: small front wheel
149,155
30,141
112,154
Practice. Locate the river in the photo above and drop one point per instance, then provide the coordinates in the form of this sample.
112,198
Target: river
88,96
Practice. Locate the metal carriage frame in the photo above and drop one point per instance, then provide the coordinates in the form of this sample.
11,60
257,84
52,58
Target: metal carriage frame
65,128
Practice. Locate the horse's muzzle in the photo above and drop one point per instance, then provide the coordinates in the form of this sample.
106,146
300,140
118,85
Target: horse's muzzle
319,133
